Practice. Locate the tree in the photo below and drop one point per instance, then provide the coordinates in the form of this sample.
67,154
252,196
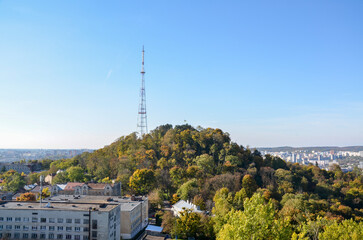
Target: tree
205,162
188,190
61,177
168,222
155,198
188,224
223,201
347,229
257,221
239,198
13,181
45,193
249,184
26,197
142,181
75,174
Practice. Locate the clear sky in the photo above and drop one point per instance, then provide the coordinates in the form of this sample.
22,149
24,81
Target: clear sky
271,73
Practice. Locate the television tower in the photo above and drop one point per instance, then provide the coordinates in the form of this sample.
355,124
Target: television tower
142,117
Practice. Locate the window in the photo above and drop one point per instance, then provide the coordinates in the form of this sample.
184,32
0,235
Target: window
43,220
17,219
85,221
60,220
26,219
17,235
9,227
85,229
42,236
60,228
34,213
68,220
77,237
25,228
51,228
1,219
77,229
68,236
34,235
51,236
43,228
1,227
59,236
25,235
94,234
51,220
34,228
85,237
69,229
34,219
9,219
8,235
17,227
1,235
94,224
77,220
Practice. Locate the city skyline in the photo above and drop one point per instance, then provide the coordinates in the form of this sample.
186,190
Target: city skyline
270,74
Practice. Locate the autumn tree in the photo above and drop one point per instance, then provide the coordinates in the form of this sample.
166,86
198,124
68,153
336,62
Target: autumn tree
142,181
26,197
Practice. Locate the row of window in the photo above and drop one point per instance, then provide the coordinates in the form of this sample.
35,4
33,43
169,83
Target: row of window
43,236
43,220
50,228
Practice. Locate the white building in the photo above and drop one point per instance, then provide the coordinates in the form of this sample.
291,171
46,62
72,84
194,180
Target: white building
77,221
182,205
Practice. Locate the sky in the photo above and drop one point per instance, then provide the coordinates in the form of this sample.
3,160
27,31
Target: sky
270,73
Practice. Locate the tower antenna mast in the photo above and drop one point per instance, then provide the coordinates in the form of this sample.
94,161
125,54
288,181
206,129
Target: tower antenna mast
142,117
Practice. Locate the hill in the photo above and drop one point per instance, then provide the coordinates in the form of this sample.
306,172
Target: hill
222,177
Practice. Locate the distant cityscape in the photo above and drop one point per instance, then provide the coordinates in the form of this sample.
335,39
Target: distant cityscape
14,155
347,158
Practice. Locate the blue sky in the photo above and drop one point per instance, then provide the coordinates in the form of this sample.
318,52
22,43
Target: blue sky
271,73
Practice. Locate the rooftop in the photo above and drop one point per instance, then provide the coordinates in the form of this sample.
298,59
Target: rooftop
51,206
126,203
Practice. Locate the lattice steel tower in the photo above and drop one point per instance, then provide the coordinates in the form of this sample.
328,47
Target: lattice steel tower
142,117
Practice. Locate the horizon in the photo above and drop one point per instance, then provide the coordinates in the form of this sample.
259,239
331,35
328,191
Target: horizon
269,74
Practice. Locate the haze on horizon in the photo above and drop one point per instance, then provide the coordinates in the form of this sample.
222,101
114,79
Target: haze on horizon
271,74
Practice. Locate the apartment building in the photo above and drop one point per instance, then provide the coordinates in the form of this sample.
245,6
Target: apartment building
133,211
55,220
94,189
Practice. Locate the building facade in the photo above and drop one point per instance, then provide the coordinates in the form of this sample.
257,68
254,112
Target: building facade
93,189
28,220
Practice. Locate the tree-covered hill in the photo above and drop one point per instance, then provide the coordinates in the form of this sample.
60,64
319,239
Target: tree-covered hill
203,165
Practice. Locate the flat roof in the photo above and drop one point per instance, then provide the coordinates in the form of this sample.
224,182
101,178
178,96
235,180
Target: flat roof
126,203
56,206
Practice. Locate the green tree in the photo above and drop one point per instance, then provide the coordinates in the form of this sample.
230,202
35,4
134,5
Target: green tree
257,221
61,177
12,181
347,229
142,181
239,198
188,224
249,184
205,162
223,203
188,190
75,174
